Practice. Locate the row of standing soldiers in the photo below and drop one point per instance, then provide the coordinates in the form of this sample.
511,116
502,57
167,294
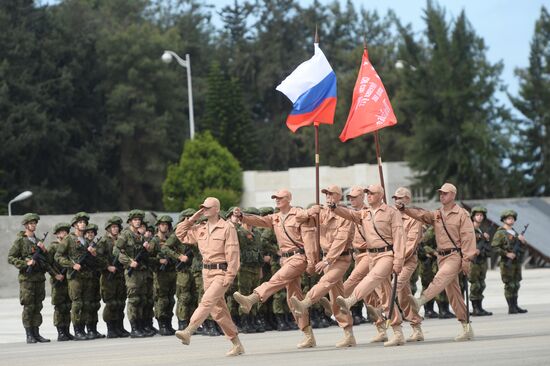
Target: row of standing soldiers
85,269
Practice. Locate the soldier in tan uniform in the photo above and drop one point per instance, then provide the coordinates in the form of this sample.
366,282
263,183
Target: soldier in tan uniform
456,245
298,254
383,229
375,299
336,237
413,235
219,246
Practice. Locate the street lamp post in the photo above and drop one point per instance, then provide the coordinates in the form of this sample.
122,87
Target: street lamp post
167,58
20,197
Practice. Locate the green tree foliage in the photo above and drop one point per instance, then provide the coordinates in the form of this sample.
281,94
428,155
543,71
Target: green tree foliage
457,122
532,154
204,165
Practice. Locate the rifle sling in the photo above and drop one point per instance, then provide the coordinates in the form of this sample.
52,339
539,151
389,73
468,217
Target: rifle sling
375,229
449,235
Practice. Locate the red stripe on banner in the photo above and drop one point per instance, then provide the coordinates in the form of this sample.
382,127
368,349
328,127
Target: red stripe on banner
324,113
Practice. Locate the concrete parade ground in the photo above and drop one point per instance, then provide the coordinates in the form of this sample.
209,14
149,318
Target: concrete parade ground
500,339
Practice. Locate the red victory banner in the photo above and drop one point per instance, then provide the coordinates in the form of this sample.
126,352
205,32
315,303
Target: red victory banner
371,109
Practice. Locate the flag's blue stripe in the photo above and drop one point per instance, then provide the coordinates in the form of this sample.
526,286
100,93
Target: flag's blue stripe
312,98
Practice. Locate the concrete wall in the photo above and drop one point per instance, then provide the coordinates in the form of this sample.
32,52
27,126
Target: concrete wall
260,185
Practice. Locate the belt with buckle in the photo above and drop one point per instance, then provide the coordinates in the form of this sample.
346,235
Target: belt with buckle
222,266
443,253
387,248
292,252
359,251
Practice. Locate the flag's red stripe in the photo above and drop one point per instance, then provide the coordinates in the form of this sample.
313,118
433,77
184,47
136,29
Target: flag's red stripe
324,113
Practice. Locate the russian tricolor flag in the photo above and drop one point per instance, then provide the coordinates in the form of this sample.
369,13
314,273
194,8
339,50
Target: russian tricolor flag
312,90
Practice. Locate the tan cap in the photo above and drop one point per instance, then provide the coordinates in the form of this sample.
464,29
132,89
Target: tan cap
402,192
332,189
447,187
374,188
282,193
356,191
211,202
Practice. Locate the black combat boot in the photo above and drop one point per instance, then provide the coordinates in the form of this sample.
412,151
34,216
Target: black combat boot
444,312
429,312
520,310
61,336
245,324
112,331
281,323
212,329
169,326
68,332
258,323
38,337
511,307
136,330
201,330
323,322
477,310
123,333
483,311
79,333
291,321
163,327
357,315
92,331
30,335
151,325
146,327
182,324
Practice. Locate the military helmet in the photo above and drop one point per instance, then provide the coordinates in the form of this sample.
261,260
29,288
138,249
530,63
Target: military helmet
188,212
479,209
251,211
115,220
80,216
229,212
264,211
139,214
28,217
61,226
508,213
91,227
164,218
225,214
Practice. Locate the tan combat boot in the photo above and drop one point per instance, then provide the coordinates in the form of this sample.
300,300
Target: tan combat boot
325,303
467,333
417,335
237,348
309,339
416,303
348,340
185,335
246,302
346,303
300,307
375,314
381,336
398,339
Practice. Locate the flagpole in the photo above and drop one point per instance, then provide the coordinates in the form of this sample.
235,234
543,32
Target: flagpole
317,198
379,160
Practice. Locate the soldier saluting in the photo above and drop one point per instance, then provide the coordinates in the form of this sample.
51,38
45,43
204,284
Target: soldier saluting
510,246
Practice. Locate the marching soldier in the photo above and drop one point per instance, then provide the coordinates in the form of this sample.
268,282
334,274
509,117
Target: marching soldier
164,277
298,256
510,246
217,240
112,284
75,255
181,253
90,235
60,288
28,255
413,235
133,251
478,270
454,233
336,237
383,228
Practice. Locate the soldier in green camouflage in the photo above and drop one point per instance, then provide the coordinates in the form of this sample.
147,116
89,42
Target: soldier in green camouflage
164,277
60,288
510,246
75,255
427,256
112,284
182,255
91,235
478,268
133,251
269,249
24,255
148,232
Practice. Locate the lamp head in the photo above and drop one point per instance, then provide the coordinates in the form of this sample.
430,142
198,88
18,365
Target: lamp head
166,57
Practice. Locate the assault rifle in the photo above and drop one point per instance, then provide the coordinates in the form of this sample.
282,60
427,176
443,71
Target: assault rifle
38,256
517,247
140,257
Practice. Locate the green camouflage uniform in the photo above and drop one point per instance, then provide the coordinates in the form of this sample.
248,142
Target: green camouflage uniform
164,279
32,289
478,269
96,267
510,269
60,292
